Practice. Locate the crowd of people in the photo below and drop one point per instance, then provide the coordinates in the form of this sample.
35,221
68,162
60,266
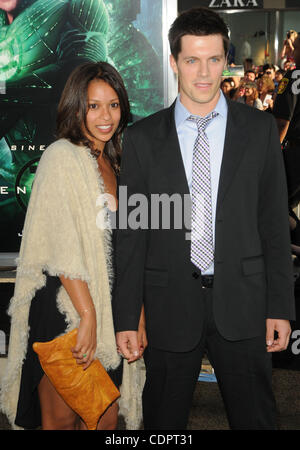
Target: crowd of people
259,85
259,88
270,88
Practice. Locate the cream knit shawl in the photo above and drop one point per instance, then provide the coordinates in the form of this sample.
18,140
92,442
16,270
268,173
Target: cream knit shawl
66,232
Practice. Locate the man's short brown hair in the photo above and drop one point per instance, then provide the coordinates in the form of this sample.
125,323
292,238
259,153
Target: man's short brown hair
197,22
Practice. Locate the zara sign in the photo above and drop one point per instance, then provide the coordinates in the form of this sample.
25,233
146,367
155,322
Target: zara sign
221,4
235,4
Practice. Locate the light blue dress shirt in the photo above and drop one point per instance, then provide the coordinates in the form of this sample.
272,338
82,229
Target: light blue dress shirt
215,131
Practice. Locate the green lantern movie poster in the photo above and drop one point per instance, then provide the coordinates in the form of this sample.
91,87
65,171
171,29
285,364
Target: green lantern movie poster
41,41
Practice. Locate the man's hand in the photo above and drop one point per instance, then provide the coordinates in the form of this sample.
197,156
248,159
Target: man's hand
283,329
127,345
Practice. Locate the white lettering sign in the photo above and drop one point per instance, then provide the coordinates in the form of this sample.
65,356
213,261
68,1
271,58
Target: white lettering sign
233,3
23,191
3,190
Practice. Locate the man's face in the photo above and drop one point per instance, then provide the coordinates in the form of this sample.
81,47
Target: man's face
199,67
250,76
9,5
296,52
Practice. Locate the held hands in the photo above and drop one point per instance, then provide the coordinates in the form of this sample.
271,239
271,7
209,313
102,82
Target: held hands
283,329
85,347
128,345
132,344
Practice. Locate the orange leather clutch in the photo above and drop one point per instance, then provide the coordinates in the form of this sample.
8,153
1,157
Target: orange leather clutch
88,392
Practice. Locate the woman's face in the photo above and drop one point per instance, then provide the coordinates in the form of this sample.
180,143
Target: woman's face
226,87
248,91
103,113
241,91
9,5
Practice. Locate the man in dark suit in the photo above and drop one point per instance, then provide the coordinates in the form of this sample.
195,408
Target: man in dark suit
228,289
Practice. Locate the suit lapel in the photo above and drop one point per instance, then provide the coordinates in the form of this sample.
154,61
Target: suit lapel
171,158
234,147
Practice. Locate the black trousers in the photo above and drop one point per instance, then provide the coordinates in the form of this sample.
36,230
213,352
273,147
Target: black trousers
243,370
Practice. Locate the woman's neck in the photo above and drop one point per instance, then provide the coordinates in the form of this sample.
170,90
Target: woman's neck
101,154
10,17
262,95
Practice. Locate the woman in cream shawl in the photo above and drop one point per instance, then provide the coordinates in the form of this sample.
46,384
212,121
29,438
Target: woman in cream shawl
67,244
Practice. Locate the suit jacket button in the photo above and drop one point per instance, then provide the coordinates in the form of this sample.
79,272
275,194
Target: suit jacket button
195,275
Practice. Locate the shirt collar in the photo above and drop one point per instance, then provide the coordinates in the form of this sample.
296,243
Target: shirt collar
181,113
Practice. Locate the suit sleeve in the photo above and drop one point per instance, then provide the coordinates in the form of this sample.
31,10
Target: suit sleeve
274,231
130,247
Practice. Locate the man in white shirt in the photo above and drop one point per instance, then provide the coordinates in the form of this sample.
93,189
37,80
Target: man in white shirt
228,289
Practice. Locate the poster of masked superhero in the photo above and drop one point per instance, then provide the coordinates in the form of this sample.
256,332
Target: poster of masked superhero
40,43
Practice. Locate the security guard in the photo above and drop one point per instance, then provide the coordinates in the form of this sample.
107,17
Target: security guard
287,113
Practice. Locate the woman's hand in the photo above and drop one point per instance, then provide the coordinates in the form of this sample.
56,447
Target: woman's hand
86,343
142,340
142,335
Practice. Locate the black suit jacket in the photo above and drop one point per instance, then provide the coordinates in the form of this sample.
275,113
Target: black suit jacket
253,268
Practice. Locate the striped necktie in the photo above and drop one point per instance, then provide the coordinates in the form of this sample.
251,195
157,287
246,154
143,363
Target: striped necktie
202,248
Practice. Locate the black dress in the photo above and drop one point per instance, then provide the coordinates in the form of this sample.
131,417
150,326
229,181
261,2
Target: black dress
46,323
